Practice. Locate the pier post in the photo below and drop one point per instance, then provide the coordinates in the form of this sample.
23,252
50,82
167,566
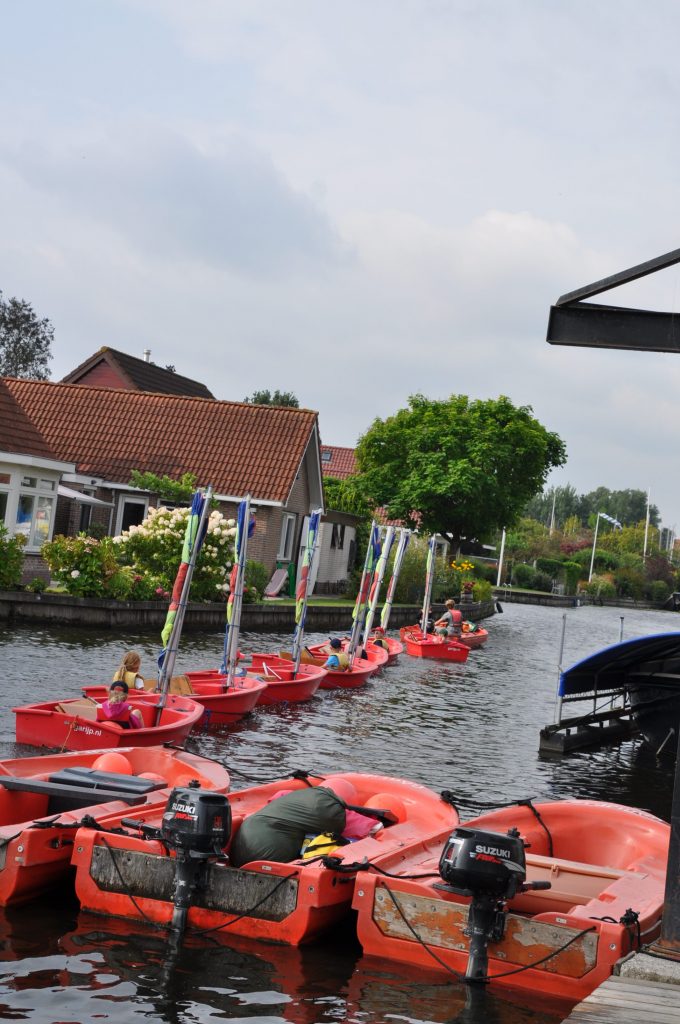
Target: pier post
668,943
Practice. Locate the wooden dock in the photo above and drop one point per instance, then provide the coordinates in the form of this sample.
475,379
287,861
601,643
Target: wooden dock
629,1001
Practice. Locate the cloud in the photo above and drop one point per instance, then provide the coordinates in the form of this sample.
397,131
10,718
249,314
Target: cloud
229,208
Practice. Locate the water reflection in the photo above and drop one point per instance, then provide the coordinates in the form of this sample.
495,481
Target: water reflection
471,729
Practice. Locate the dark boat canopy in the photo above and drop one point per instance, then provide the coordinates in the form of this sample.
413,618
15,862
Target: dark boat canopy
653,659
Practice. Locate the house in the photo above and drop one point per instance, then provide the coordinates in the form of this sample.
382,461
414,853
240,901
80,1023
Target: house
337,536
109,368
91,438
30,471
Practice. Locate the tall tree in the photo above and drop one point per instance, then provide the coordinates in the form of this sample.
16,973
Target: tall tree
286,398
25,341
457,466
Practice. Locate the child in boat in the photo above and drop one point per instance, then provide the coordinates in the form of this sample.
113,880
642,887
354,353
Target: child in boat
451,622
128,671
337,659
116,708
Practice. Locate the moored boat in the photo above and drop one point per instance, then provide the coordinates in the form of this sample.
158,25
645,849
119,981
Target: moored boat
74,724
43,799
393,646
356,674
589,889
289,901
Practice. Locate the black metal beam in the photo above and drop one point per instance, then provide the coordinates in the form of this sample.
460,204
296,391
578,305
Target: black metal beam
589,325
623,277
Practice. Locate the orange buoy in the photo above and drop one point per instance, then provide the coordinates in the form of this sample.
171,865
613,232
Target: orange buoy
113,762
388,802
152,776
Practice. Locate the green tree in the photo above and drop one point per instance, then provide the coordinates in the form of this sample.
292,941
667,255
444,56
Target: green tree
286,398
456,466
25,341
167,489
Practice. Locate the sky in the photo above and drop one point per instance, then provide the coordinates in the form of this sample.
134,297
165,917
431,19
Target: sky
355,202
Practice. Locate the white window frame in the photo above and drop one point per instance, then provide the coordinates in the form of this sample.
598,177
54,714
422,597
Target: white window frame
288,521
44,493
129,499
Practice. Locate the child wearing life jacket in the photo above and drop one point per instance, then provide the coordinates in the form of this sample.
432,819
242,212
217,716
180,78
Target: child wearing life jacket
116,708
128,671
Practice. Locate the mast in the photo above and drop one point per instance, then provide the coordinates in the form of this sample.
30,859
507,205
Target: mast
302,589
378,577
404,538
429,581
359,613
236,583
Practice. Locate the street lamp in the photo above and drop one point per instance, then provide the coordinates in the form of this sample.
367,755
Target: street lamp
617,526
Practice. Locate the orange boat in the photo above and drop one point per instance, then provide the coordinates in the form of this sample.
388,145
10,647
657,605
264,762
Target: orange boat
72,724
427,645
292,902
394,647
360,671
43,799
474,636
555,920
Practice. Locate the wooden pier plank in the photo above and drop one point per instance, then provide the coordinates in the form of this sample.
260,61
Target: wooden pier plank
628,1000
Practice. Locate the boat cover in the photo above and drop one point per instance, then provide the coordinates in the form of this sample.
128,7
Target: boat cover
650,658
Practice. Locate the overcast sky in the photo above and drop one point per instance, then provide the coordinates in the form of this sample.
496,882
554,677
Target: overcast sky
354,201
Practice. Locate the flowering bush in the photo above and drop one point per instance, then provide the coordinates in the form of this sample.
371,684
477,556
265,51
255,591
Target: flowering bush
153,550
83,565
11,559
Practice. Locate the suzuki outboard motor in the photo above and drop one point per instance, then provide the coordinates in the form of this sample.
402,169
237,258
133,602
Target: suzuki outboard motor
491,868
197,826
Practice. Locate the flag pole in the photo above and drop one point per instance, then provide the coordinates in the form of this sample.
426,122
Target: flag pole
359,613
378,577
172,630
302,588
404,538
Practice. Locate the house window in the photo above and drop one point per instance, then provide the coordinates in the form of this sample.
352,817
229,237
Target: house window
131,512
338,536
3,506
25,508
287,535
326,456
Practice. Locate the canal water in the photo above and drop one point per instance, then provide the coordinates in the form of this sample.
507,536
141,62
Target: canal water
471,729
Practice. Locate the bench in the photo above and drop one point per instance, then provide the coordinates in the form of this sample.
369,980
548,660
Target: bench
63,796
92,778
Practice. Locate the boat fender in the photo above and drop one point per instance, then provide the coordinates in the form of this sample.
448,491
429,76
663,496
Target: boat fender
499,607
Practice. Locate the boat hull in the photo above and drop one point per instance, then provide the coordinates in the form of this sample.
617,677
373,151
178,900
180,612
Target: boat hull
419,645
360,672
37,827
600,858
70,724
394,648
291,903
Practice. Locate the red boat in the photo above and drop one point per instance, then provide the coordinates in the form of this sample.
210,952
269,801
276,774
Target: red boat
359,673
283,684
566,916
394,647
42,799
421,645
474,636
73,725
291,902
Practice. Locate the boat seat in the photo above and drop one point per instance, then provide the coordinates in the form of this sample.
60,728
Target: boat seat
572,884
85,707
63,796
95,779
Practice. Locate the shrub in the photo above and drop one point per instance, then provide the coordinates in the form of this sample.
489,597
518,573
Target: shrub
544,582
154,548
257,577
629,583
572,574
11,559
82,564
523,575
37,585
551,566
659,591
483,591
600,587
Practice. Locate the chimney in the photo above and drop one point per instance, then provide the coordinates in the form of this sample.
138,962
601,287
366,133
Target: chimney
147,355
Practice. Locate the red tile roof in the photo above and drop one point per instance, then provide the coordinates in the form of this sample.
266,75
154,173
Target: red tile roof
236,447
338,462
138,375
17,433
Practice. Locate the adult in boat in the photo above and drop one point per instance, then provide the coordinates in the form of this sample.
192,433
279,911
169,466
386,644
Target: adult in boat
117,709
278,830
451,622
337,659
128,671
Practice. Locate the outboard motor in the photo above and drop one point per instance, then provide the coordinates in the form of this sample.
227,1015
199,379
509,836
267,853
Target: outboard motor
490,867
197,826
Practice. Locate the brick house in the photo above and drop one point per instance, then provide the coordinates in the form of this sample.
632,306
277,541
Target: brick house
89,439
109,368
337,537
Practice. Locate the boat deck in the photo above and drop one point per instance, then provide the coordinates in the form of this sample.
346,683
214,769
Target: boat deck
625,1000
